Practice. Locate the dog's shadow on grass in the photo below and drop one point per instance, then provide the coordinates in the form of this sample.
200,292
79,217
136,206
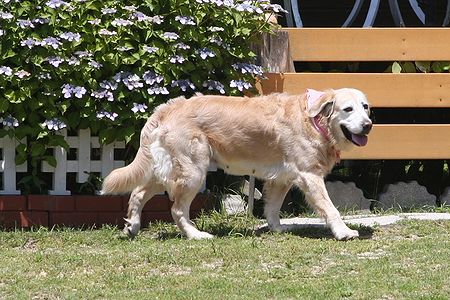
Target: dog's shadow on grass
313,231
317,231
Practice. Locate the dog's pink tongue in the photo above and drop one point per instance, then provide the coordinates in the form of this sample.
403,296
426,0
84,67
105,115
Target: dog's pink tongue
360,140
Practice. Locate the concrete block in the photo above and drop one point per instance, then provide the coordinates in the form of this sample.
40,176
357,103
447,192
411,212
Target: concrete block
346,195
405,195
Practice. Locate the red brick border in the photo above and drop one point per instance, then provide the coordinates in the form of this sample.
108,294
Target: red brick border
84,210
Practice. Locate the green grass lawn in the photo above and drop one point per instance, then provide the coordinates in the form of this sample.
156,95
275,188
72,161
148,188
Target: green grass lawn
404,261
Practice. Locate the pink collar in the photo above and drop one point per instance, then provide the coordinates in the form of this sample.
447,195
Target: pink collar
312,96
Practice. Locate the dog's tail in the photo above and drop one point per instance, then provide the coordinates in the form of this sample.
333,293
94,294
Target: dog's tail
152,161
125,179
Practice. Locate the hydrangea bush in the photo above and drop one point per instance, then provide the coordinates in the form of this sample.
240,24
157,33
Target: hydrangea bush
105,65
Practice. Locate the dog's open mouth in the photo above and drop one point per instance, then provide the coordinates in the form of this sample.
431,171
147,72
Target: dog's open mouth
357,139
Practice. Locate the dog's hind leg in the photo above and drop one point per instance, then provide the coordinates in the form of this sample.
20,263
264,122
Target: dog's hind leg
274,194
180,213
138,198
189,174
182,193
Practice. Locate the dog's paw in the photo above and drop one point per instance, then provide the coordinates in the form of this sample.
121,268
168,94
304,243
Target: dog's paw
200,235
131,229
345,234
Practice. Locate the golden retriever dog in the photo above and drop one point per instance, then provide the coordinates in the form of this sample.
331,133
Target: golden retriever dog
283,139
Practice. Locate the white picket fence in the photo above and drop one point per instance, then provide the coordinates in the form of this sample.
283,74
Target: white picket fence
8,168
82,166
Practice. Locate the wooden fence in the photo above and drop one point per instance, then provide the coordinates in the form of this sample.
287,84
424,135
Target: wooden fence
384,90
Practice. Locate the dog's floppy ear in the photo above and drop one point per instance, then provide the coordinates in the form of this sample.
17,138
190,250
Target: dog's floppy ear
323,104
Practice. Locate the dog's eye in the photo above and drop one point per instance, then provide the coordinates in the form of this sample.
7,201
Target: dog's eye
365,106
348,109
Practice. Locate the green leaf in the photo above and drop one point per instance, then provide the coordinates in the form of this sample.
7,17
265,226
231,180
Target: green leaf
423,66
37,149
440,66
51,160
21,154
396,68
408,67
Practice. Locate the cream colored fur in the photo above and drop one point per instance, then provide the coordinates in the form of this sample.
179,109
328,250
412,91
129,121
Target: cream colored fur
270,137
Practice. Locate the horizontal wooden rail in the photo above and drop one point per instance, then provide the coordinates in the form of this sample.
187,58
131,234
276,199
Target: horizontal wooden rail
382,89
369,44
405,142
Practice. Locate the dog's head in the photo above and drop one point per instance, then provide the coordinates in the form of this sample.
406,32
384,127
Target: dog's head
347,112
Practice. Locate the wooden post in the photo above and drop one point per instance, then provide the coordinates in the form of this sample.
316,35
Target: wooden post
273,54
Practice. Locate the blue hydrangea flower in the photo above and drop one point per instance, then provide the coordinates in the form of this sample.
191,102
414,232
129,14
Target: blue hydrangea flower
6,15
216,40
108,11
183,84
276,8
248,68
70,36
40,21
56,3
156,90
121,22
151,78
95,22
5,70
22,74
2,32
177,59
240,84
150,49
54,124
107,32
227,3
83,54
70,90
185,20
25,23
55,60
157,19
172,36
109,85
95,64
214,85
106,114
205,53
182,46
44,76
73,61
30,43
140,16
217,2
9,121
139,107
51,41
215,29
103,94
124,48
130,8
132,81
248,7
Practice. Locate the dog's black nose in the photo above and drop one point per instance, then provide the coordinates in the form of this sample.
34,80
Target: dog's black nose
367,127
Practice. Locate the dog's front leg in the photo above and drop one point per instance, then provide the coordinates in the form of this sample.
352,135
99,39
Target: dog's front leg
313,186
274,194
